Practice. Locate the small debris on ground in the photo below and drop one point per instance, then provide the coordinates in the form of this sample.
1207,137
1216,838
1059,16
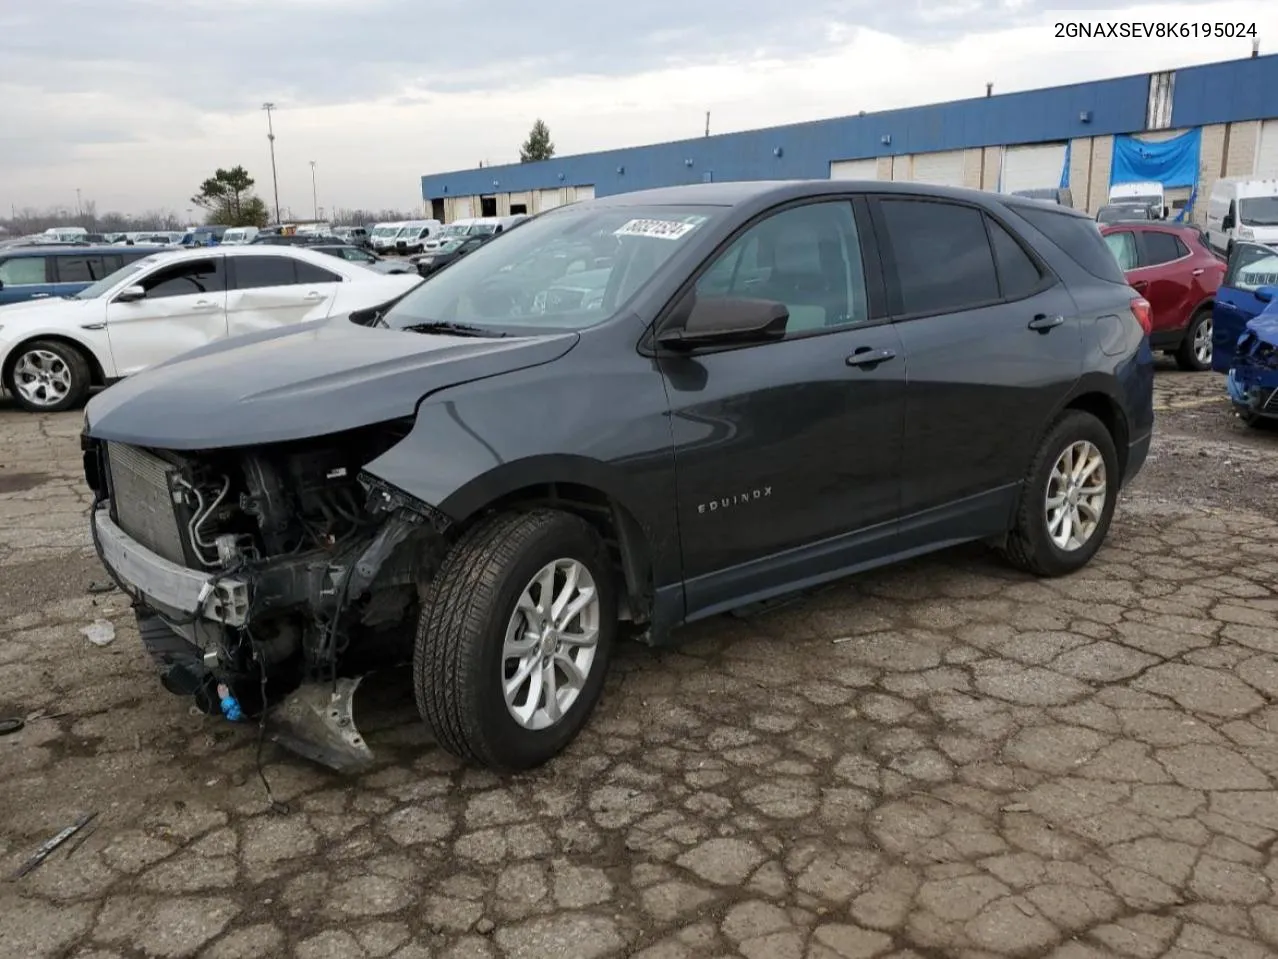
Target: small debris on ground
11,725
100,632
45,851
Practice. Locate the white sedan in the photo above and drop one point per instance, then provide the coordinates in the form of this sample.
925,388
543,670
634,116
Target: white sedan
52,351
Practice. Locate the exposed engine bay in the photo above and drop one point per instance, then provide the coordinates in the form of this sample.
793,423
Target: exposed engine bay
308,575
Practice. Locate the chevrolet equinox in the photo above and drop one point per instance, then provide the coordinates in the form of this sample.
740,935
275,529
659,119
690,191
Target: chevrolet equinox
644,409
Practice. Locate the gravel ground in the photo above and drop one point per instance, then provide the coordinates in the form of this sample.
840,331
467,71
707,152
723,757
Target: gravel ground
942,759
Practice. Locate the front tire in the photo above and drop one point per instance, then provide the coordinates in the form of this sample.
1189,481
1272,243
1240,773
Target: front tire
514,637
1067,498
48,376
1194,353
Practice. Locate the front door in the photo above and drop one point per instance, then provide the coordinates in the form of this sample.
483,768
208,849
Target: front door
267,292
1251,266
184,308
994,345
783,445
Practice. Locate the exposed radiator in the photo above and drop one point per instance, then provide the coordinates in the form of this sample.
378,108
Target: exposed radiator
143,502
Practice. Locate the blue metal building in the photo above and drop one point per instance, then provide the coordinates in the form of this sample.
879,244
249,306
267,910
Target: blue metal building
1048,137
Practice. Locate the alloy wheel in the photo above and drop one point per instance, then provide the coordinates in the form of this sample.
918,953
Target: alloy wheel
550,644
42,377
1202,342
1076,491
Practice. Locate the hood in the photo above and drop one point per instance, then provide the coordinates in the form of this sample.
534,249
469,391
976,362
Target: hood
39,311
1263,327
302,381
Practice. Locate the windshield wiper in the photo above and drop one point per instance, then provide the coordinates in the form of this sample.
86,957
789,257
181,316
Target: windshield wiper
457,329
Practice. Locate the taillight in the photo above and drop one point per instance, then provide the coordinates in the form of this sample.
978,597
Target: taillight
1144,313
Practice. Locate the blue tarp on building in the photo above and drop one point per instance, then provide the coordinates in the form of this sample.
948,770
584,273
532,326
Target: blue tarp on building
1069,145
1171,162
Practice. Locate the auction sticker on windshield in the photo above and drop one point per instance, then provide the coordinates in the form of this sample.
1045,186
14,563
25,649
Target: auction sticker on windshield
661,229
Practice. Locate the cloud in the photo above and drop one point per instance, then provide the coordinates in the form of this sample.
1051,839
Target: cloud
136,102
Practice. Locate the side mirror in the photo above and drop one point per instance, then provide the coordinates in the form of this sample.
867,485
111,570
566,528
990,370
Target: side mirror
1227,223
724,321
1266,294
131,294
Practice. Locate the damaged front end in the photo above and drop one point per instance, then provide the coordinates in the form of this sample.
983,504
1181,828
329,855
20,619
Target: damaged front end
1253,379
267,579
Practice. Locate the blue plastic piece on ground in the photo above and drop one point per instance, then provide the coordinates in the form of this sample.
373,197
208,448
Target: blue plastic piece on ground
231,708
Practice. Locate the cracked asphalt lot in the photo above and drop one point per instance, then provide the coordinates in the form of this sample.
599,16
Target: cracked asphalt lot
942,759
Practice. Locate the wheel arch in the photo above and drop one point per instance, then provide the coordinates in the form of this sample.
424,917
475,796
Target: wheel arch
1101,403
97,372
593,493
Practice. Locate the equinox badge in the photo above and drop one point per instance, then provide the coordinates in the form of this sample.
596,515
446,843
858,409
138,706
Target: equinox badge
736,499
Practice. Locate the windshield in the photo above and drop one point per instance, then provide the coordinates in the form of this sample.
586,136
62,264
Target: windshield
525,280
1251,267
111,279
1258,211
1113,214
385,231
482,229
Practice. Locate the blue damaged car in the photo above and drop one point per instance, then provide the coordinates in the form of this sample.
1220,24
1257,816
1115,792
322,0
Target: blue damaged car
1245,331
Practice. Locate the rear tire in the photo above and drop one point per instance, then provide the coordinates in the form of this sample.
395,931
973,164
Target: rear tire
1194,352
474,632
1040,541
48,376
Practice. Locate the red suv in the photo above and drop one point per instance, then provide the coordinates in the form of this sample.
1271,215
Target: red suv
1172,267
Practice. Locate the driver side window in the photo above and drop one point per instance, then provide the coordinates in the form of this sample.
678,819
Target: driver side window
186,279
807,257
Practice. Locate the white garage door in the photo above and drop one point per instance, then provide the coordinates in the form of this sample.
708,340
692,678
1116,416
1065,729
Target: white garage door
1267,151
900,168
941,169
854,169
548,200
585,192
1034,167
462,208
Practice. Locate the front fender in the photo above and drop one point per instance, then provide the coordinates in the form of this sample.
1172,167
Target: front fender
94,343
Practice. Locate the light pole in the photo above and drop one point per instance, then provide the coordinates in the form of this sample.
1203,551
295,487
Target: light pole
314,195
270,136
78,207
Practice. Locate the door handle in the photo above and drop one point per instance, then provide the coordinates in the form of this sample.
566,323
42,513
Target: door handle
1140,284
39,296
1197,272
1044,323
314,296
201,304
866,357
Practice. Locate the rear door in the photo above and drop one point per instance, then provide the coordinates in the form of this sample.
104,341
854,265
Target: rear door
994,345
1164,277
25,277
184,308
271,291
1251,266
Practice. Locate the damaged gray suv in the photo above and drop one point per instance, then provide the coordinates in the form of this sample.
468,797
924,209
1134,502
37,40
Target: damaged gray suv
644,410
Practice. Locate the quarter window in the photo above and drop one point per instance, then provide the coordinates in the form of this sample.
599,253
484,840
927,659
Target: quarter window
23,271
255,272
943,258
1162,248
1018,275
186,279
1122,243
807,257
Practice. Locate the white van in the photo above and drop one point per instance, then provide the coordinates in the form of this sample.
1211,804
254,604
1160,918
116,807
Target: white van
413,235
1242,209
1148,194
382,237
239,235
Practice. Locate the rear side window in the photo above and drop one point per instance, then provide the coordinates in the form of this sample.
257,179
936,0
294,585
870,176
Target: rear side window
23,271
1123,245
1162,248
309,273
942,254
80,269
1079,237
1018,275
255,272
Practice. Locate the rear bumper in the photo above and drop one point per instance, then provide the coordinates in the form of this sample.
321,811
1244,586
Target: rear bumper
218,598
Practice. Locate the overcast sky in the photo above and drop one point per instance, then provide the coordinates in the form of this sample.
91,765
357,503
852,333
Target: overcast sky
134,102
